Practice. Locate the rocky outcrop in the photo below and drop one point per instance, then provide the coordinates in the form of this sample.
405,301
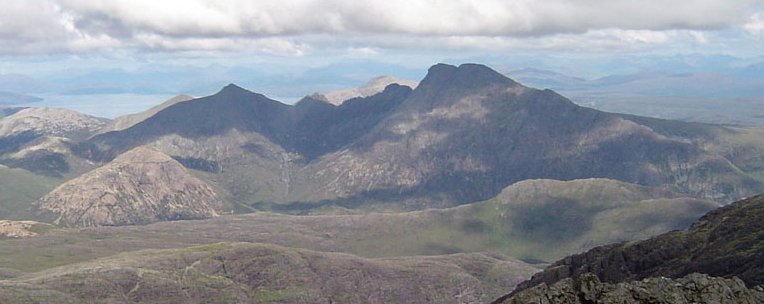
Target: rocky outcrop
22,229
726,242
693,288
138,187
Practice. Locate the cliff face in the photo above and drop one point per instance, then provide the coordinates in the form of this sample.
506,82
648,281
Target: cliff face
140,186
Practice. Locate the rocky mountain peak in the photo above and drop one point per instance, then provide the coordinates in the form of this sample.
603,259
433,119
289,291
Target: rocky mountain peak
142,154
140,186
465,76
233,89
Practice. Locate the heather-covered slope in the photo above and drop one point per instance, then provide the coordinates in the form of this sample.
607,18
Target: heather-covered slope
258,273
536,221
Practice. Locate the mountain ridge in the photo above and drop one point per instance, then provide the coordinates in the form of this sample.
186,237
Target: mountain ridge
462,135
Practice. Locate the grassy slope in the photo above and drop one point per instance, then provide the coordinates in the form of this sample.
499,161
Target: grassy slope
533,228
19,188
257,273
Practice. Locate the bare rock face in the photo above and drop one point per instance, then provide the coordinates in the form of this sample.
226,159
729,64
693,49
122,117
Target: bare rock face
693,288
140,186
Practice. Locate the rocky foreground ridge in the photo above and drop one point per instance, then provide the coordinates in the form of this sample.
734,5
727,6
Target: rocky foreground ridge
693,288
725,243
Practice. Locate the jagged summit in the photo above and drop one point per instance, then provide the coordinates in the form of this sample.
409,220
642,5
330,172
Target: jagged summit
465,76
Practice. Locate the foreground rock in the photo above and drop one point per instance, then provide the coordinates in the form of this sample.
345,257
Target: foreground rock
727,242
693,288
257,273
140,186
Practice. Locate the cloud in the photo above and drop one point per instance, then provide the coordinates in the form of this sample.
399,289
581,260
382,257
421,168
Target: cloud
278,26
755,24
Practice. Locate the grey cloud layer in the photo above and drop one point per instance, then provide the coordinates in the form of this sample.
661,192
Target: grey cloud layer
278,26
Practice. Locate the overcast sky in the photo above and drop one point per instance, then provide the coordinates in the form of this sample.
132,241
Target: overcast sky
56,37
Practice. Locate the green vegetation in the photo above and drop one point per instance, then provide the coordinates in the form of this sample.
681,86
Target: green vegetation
601,211
19,189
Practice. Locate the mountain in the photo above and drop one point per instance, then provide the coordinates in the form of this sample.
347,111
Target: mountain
461,136
38,140
124,122
49,122
138,187
726,242
23,84
35,154
372,87
260,273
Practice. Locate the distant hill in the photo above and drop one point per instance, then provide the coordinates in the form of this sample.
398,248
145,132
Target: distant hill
8,98
728,96
372,87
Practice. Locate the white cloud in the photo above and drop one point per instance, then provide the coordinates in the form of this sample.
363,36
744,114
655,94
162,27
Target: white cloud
277,26
755,24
